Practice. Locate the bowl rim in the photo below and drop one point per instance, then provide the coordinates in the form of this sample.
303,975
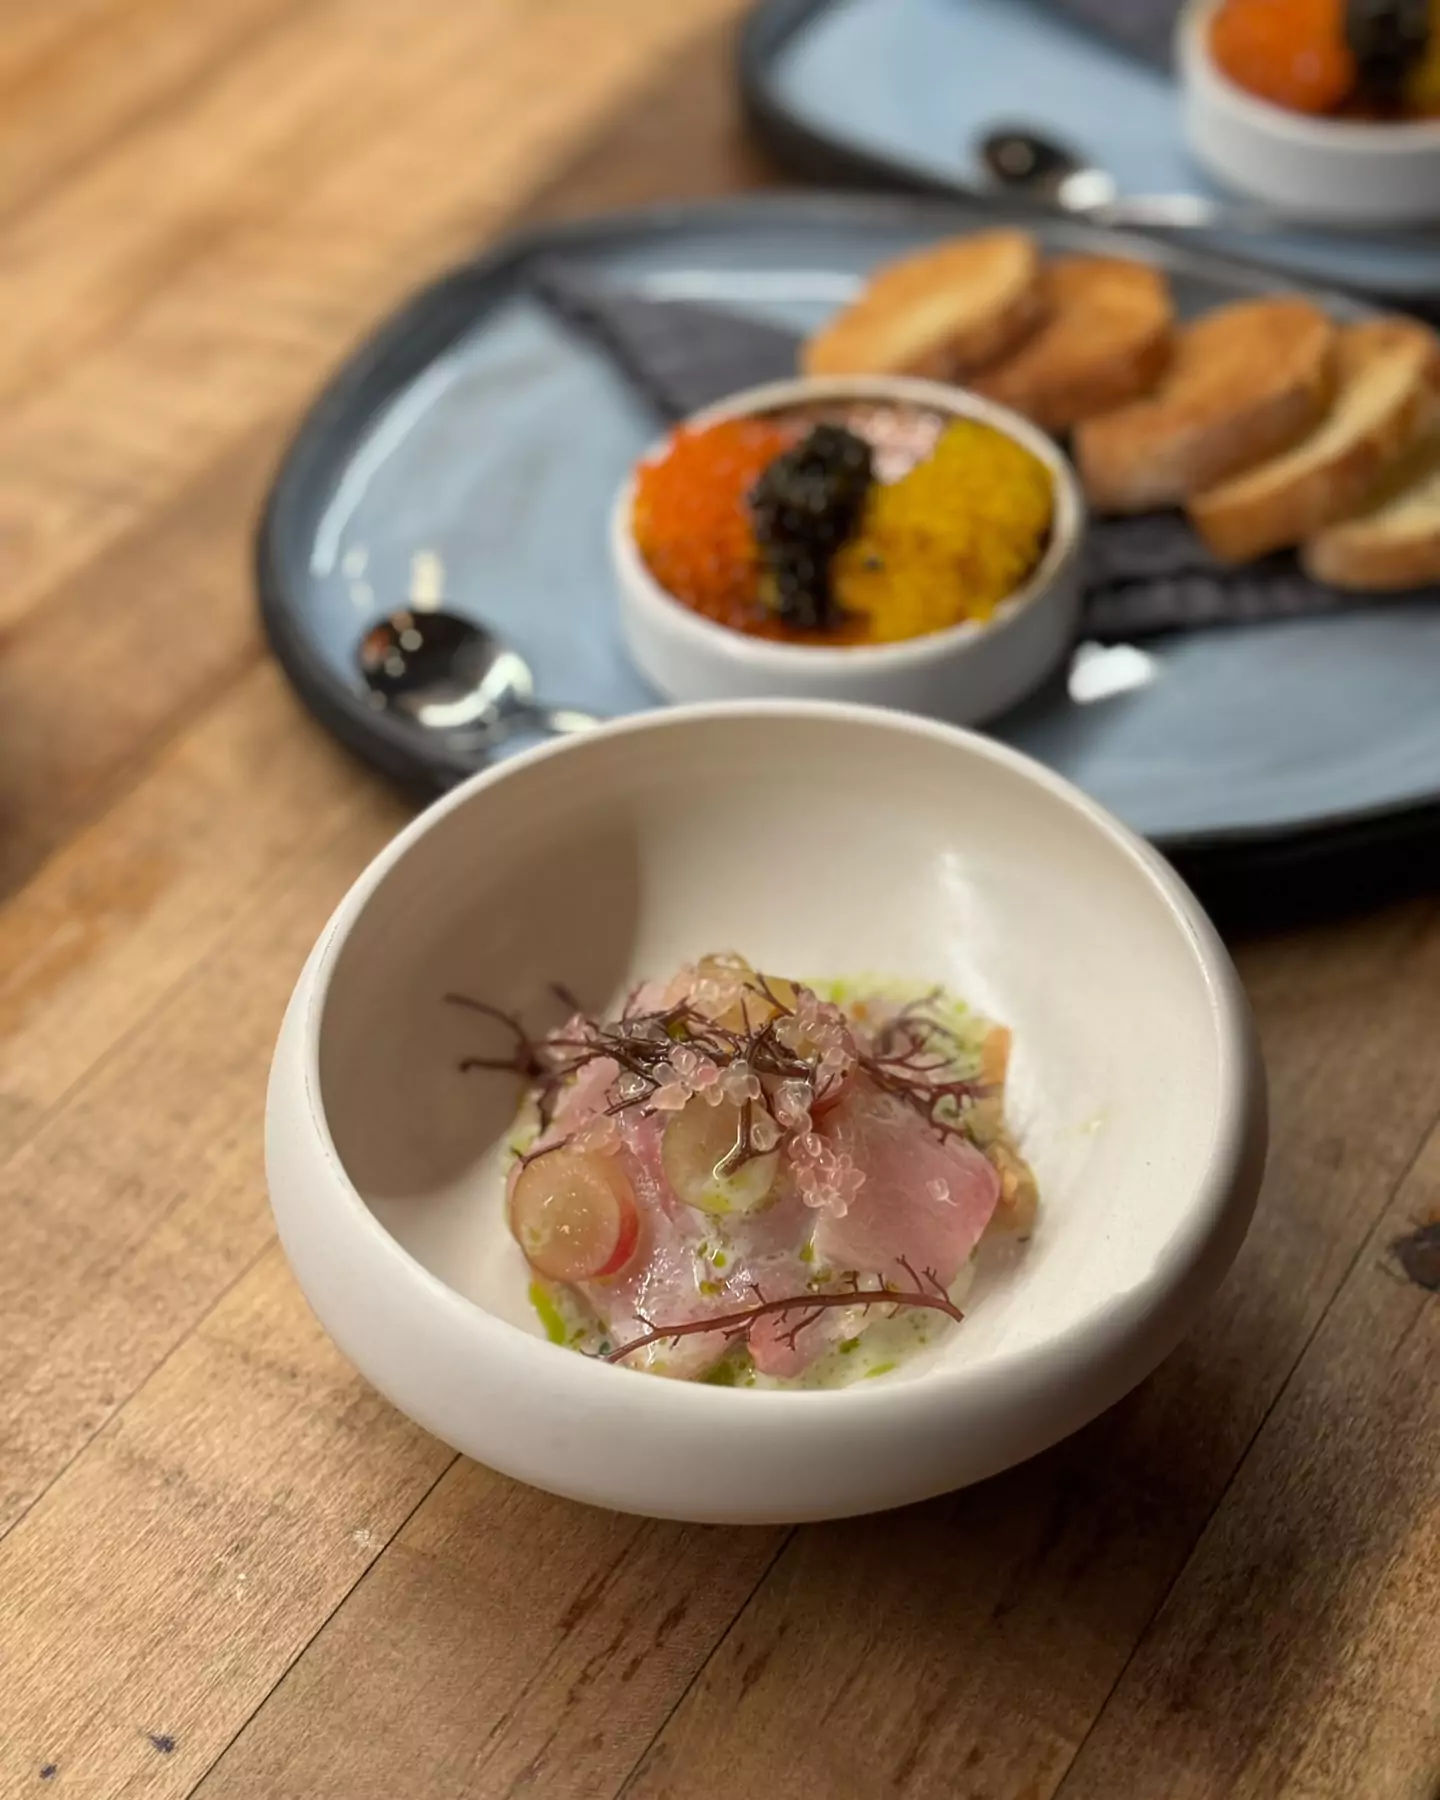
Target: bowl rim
1373,139
1066,538
1224,1190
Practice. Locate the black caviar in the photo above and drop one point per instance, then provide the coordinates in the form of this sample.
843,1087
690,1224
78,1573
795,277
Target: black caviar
803,508
1387,38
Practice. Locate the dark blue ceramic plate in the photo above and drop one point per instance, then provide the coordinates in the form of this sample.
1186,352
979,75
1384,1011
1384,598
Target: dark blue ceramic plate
899,91
477,429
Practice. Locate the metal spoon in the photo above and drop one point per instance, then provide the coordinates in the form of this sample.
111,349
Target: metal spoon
451,675
1025,162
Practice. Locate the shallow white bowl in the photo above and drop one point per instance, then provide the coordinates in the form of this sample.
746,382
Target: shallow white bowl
1346,171
967,674
817,840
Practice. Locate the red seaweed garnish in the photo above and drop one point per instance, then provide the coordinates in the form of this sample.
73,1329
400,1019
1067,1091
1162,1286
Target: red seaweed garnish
912,1058
927,1292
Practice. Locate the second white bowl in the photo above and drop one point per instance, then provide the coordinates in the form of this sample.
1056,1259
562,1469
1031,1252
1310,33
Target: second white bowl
1343,170
966,674
823,841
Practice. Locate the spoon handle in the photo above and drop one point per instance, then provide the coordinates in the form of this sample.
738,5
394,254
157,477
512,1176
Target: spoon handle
564,721
525,723
1197,212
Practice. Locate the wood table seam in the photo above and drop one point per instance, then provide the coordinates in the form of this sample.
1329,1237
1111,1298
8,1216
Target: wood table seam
150,1374
1143,1636
740,1611
304,1648
542,1669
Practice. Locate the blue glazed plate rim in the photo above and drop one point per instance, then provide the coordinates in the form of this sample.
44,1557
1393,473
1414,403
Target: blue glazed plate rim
812,155
430,322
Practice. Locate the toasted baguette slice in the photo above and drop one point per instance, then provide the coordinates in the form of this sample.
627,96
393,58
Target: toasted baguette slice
1107,340
943,312
1245,382
1385,400
1394,546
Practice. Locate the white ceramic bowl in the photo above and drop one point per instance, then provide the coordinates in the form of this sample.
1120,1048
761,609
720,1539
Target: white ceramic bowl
1346,171
967,674
817,840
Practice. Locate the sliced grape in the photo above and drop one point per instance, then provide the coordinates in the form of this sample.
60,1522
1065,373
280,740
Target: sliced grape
574,1215
698,1143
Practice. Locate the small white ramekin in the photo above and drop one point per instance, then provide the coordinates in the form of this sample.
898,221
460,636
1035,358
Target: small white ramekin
1343,170
965,674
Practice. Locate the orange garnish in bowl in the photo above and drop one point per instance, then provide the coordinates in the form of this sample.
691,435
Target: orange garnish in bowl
1290,52
692,520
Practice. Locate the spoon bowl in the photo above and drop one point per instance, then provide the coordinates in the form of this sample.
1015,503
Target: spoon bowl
1023,161
454,675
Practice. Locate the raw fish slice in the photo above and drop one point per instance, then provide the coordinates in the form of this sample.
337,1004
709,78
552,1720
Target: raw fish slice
759,1251
773,1354
923,1198
587,1095
662,1283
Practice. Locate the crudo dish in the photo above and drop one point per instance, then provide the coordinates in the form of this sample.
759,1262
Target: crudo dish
742,1179
791,893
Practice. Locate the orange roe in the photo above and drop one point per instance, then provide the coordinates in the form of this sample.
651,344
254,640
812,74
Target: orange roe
691,521
1290,52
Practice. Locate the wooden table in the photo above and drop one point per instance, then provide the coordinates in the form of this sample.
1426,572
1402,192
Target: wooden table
227,1567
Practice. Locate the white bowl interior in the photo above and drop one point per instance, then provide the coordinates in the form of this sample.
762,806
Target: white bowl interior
818,844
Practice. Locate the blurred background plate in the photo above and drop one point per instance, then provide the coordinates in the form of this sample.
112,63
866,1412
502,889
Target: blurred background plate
898,92
476,429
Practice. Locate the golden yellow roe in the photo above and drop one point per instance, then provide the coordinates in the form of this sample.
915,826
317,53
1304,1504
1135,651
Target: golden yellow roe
1422,86
950,540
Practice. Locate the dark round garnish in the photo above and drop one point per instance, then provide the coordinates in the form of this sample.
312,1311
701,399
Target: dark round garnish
803,508
1387,38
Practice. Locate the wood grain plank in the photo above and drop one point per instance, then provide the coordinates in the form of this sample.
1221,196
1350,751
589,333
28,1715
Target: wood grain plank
679,136
507,1643
982,1634
143,1195
355,161
165,1581
127,910
334,79
122,651
1299,1654
123,226
76,74
120,655
33,36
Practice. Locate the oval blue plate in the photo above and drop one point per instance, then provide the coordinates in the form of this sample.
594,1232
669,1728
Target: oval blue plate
897,93
477,429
